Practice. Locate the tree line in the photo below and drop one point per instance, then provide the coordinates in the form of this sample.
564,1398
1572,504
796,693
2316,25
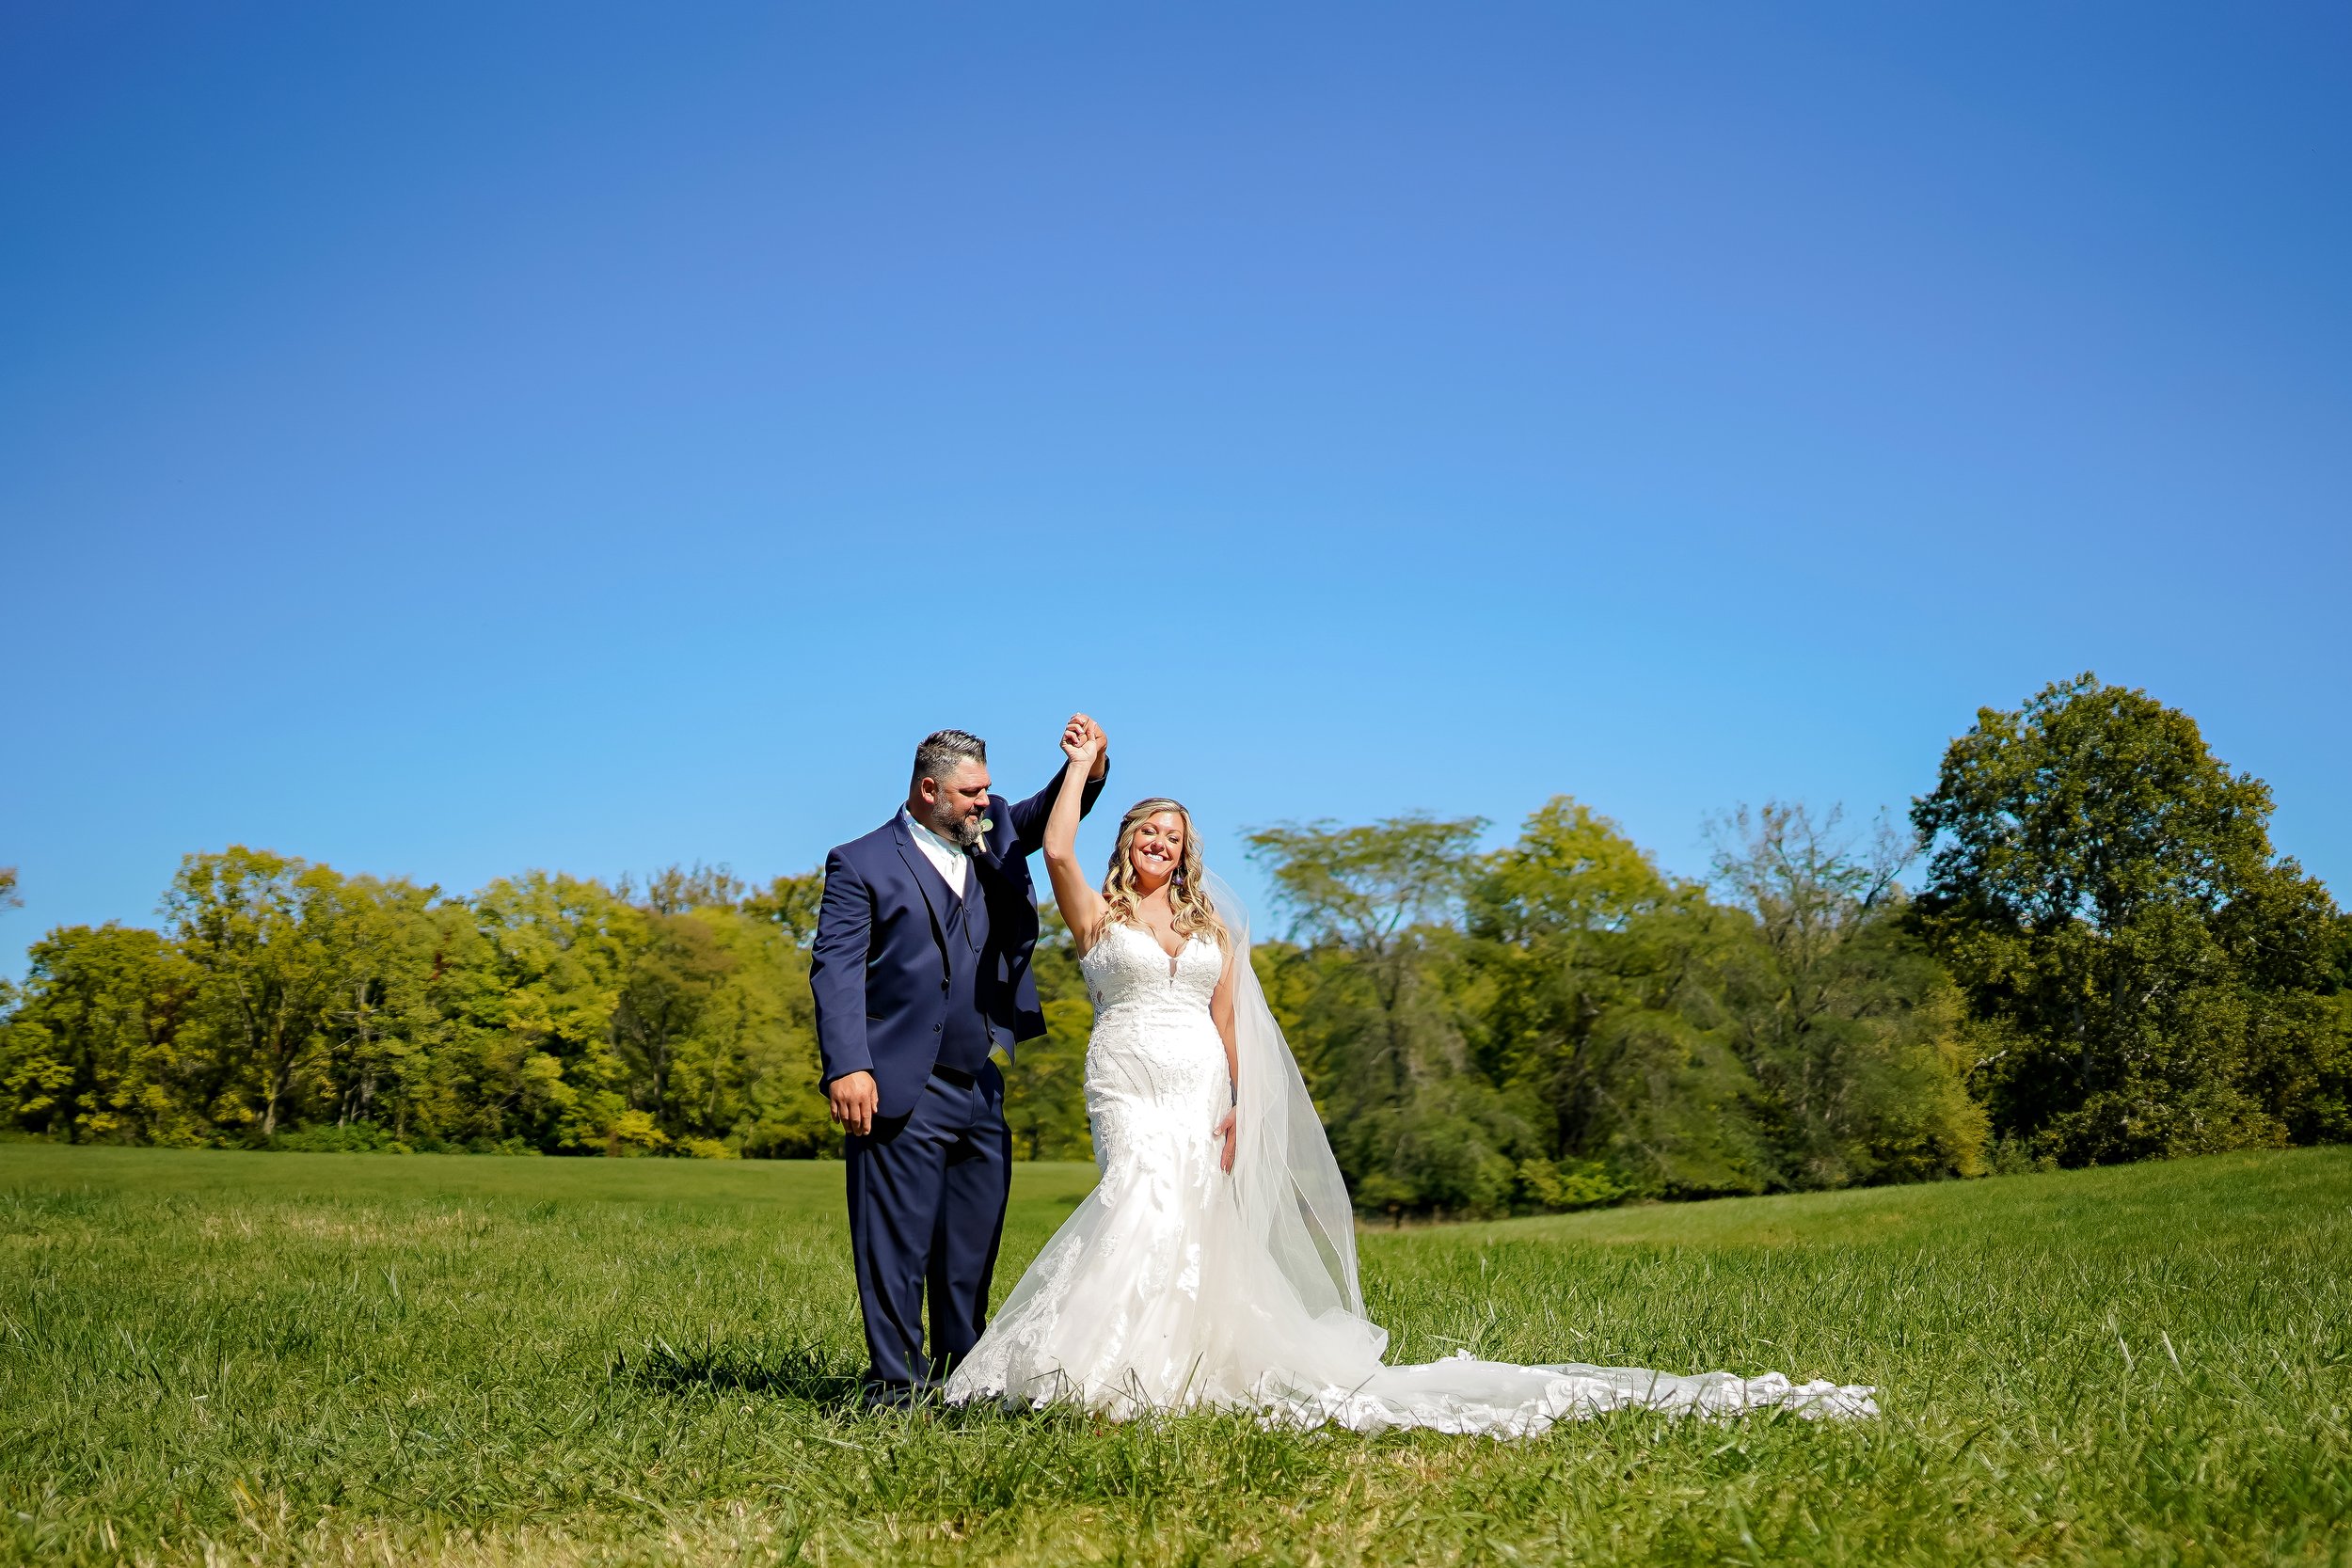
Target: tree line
284,1003
2104,961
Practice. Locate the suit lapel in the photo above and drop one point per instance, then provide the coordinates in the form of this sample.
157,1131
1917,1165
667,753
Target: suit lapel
919,868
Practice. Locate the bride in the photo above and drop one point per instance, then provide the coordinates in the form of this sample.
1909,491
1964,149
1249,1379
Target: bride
1215,1263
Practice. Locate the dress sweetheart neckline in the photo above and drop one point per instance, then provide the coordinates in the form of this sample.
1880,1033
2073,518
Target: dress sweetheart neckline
1145,932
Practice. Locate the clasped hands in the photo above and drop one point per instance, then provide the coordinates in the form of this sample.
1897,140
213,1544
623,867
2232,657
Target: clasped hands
1083,741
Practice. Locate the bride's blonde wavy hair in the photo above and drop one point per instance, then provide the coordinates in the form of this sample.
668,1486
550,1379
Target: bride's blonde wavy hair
1187,890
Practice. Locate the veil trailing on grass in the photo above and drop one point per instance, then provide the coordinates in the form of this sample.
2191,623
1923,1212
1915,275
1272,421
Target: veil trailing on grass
1292,1212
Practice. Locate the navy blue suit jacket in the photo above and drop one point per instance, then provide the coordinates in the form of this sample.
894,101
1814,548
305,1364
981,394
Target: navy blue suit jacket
877,963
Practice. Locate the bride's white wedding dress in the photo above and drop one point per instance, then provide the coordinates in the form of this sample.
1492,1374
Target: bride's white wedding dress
1176,1285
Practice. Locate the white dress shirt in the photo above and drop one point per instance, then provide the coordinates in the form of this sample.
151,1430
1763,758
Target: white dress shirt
950,859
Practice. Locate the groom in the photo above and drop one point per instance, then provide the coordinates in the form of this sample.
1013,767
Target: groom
920,968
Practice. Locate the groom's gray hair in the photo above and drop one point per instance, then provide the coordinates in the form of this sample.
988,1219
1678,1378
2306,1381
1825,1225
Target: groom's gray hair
941,750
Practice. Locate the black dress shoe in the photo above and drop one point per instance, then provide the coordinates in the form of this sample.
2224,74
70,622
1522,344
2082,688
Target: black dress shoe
890,1396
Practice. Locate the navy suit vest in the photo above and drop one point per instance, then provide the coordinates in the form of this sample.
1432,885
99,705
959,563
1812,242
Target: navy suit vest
964,1038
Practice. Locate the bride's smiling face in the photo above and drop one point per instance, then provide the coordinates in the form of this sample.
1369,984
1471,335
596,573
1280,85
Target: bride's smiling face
1157,848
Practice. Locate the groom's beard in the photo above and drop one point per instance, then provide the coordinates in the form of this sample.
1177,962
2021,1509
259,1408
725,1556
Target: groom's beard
960,831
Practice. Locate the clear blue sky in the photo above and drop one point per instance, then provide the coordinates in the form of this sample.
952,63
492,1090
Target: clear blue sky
451,439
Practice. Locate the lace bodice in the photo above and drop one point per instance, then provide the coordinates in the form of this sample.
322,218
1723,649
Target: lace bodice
1128,971
1156,1079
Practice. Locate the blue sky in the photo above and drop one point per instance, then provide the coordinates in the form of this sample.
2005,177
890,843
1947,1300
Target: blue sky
446,440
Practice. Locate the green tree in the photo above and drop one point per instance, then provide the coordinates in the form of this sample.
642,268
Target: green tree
1854,1036
9,899
749,1079
267,977
1372,989
89,1052
714,1023
1380,892
541,1010
380,1019
679,888
675,974
791,903
2103,890
1600,980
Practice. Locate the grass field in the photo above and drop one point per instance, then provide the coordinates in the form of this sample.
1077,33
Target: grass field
213,1357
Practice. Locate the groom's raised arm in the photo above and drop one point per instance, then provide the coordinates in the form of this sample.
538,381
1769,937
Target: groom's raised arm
1028,816
836,970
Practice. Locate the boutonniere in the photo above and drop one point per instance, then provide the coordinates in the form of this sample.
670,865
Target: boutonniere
988,826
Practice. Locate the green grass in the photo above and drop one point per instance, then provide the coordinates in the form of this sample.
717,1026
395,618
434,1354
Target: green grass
214,1357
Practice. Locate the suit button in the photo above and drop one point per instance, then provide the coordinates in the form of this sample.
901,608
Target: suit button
934,1028
943,988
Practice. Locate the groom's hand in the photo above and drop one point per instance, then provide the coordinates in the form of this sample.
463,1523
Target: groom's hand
855,1100
1082,729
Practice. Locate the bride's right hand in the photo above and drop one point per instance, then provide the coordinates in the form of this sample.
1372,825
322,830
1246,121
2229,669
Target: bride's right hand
1081,742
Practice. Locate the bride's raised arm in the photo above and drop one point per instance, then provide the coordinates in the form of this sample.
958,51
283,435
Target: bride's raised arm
1081,905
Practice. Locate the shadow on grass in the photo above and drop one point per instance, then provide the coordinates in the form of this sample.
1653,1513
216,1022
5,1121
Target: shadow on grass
809,1375
802,1372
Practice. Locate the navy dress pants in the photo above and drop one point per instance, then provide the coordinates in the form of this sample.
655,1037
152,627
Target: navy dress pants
927,1208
